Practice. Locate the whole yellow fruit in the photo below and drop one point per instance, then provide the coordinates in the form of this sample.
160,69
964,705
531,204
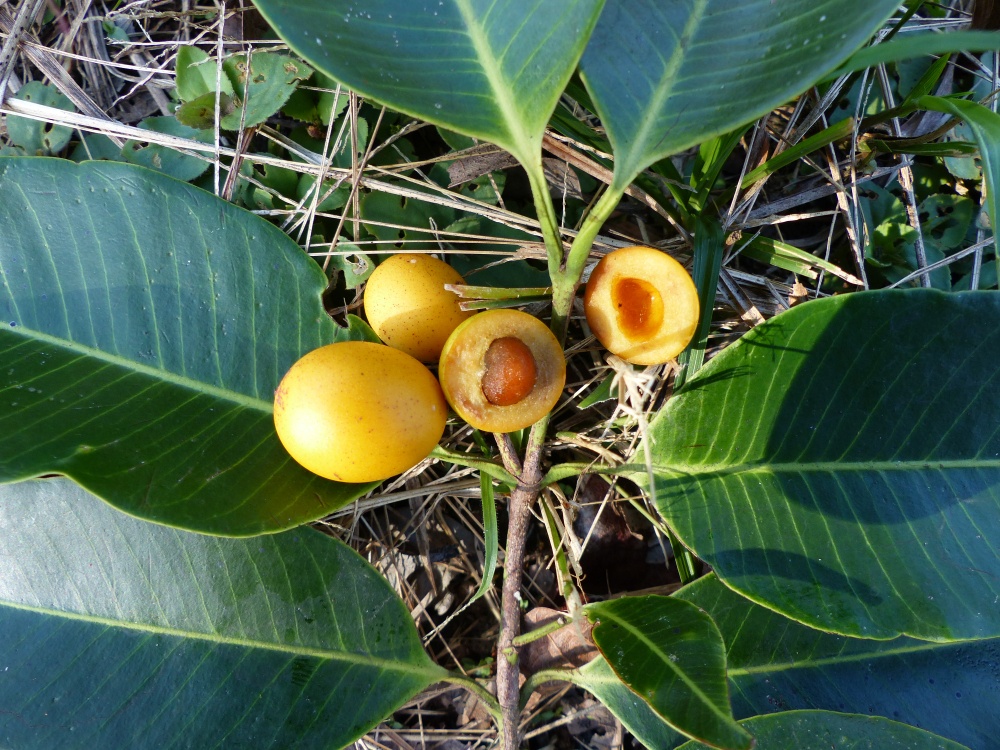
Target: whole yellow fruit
359,412
502,370
409,308
641,305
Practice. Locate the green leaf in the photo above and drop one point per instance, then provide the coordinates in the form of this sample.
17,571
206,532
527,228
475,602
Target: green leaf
197,75
665,76
709,248
839,464
199,113
354,265
906,46
167,160
262,83
144,325
776,664
491,537
985,126
487,69
405,224
635,714
34,136
826,730
120,633
670,654
781,254
792,154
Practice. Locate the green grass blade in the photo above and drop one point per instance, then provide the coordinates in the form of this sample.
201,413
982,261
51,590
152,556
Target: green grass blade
491,538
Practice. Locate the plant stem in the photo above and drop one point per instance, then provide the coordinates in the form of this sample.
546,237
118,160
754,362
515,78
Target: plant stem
566,278
480,692
541,677
519,514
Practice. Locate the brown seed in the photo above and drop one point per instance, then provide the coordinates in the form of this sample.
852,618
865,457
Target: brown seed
639,306
510,371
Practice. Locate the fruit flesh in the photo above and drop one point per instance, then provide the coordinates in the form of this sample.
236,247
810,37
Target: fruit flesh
359,412
463,367
641,305
408,307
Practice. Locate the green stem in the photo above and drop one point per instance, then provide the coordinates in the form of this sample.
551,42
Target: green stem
480,692
475,462
539,633
540,678
546,215
566,278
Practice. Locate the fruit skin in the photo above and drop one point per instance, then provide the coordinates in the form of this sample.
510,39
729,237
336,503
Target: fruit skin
356,411
462,367
641,305
409,308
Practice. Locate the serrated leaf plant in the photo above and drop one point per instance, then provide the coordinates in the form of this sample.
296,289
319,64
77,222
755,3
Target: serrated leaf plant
837,467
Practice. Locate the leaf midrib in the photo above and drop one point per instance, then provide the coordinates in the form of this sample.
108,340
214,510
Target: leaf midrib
501,91
649,122
173,378
819,467
864,656
429,669
688,682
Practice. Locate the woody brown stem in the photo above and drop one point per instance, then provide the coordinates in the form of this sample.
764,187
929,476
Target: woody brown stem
519,514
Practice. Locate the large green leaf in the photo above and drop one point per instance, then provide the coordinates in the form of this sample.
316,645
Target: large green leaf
825,730
634,713
670,654
144,325
125,634
492,69
840,464
776,664
665,76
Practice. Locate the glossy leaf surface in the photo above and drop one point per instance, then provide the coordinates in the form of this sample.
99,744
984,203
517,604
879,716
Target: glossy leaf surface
144,325
635,714
120,633
491,69
825,730
670,654
663,76
776,664
839,464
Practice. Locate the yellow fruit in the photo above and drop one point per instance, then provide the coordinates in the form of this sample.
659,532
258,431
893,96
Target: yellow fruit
502,370
359,412
409,308
641,305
